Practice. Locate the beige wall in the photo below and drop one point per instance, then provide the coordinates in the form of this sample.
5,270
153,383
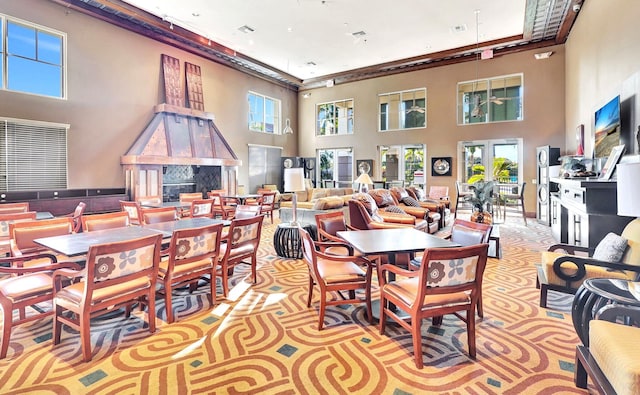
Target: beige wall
115,80
543,113
602,57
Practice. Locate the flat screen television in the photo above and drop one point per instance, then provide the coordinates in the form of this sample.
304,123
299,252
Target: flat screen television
607,128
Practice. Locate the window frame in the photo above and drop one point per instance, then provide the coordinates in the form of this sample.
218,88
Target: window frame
7,57
338,178
487,161
488,88
385,112
347,106
265,114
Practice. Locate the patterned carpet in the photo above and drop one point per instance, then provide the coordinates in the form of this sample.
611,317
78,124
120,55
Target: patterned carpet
263,339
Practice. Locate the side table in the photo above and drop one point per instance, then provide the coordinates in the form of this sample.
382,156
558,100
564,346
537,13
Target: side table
598,298
286,239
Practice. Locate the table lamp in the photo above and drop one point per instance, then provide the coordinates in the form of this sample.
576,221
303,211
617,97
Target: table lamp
364,180
628,175
294,182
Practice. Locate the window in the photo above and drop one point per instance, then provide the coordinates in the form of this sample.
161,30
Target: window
403,110
336,167
400,162
33,60
33,155
334,118
503,157
264,114
491,100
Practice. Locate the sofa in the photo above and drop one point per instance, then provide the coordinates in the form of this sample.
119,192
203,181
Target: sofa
413,196
364,214
386,202
318,198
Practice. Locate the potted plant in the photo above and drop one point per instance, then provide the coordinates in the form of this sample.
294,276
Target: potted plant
481,199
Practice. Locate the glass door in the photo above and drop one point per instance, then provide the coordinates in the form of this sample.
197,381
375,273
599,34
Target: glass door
336,167
497,160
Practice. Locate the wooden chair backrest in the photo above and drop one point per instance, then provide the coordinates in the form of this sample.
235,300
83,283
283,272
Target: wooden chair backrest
194,244
132,209
468,232
93,222
155,201
189,197
6,219
159,214
438,192
105,266
11,208
23,233
329,224
246,211
201,208
245,231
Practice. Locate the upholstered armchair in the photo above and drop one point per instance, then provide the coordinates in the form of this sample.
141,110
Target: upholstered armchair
409,197
387,203
564,267
364,214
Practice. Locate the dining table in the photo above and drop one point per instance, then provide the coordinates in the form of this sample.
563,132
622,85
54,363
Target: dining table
242,198
167,228
76,244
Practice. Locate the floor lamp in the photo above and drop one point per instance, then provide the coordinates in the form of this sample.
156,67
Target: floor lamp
294,182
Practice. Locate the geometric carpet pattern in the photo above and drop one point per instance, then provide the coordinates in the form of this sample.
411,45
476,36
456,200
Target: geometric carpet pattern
264,339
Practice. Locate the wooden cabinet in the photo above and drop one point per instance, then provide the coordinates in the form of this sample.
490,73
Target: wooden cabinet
584,211
64,201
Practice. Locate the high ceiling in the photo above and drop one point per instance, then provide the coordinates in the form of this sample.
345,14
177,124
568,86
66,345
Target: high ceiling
305,43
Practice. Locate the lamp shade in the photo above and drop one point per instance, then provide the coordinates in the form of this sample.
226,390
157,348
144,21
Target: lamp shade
294,179
628,175
364,178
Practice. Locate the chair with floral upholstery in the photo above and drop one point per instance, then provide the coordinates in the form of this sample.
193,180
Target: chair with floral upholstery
192,254
116,275
448,282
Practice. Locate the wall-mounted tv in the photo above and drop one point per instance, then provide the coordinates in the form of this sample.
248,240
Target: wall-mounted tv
607,128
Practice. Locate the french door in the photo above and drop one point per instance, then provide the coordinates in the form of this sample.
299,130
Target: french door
498,160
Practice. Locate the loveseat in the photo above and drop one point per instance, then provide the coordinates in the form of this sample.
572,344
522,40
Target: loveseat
318,198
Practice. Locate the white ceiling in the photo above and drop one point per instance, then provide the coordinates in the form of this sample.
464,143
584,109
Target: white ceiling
289,34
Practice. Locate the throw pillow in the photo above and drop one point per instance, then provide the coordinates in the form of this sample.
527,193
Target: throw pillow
318,193
394,209
409,201
611,248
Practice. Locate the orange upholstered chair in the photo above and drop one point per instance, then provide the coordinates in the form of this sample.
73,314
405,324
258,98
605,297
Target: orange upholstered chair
118,219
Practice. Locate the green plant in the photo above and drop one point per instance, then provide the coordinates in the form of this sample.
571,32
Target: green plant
482,194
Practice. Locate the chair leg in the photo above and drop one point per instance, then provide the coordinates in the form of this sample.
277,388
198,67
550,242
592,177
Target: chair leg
471,331
168,306
225,281
212,284
7,321
57,325
310,296
479,306
543,295
383,319
254,267
524,214
416,324
367,296
151,301
85,337
323,306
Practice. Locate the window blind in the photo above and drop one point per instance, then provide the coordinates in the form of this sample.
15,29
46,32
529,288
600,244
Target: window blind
33,155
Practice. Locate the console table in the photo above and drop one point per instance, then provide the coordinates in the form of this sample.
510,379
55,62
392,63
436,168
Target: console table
584,210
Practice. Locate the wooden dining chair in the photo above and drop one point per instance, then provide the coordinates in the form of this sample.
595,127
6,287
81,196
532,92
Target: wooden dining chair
267,202
93,222
13,208
328,225
115,275
335,274
158,214
5,220
133,210
192,254
241,244
150,201
201,208
185,201
23,285
447,282
515,198
76,215
24,233
220,208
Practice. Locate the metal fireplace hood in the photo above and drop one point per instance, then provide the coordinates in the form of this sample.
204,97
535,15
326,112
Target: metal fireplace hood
181,136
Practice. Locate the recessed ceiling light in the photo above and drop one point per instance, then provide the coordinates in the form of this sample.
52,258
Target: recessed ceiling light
246,29
196,14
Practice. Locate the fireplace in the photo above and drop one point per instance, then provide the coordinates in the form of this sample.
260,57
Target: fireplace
180,150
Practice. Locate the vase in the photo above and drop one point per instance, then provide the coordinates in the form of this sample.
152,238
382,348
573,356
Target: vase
481,217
